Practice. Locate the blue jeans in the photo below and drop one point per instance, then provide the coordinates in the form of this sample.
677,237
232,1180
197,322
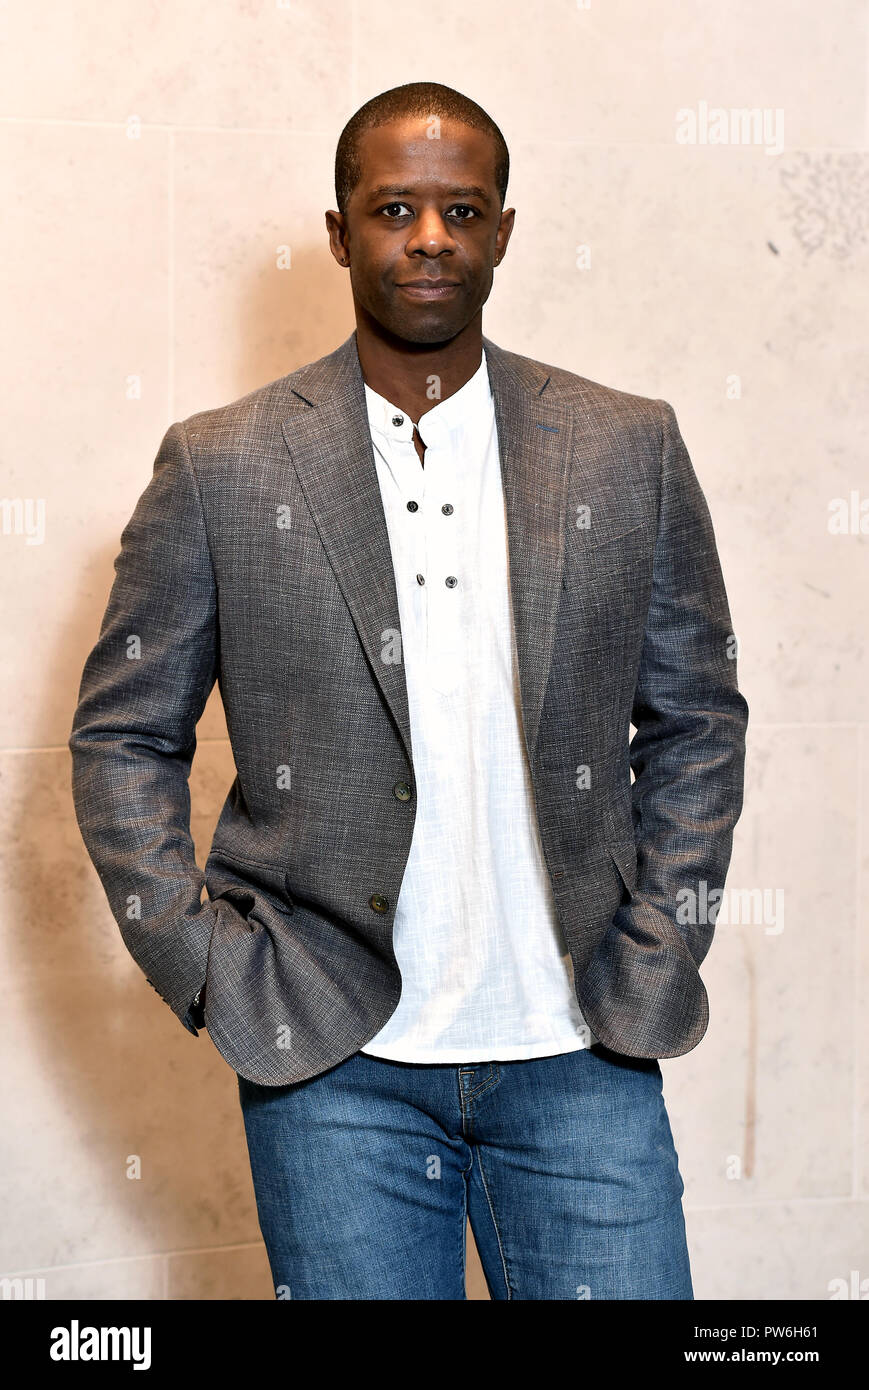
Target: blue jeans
364,1177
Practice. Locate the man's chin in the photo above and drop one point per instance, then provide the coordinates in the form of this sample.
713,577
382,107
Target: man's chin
423,330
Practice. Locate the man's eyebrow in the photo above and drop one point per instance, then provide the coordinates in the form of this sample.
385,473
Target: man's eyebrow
394,190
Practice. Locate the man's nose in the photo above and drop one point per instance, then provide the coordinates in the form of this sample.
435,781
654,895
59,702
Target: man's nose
431,235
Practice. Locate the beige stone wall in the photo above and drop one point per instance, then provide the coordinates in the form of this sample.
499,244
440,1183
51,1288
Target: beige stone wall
156,157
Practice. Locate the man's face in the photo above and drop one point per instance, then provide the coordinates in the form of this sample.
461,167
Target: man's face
424,210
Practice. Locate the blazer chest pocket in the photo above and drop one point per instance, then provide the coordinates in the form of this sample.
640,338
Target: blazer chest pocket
606,587
627,552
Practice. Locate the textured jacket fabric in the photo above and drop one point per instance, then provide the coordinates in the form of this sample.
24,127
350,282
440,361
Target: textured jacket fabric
258,556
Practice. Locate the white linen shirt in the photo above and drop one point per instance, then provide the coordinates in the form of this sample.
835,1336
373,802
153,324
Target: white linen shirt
486,975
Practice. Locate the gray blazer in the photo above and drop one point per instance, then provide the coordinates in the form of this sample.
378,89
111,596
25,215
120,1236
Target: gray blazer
258,556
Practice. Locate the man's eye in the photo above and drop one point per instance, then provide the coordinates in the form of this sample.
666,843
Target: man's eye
461,211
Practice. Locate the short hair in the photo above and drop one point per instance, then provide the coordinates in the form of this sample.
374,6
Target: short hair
421,99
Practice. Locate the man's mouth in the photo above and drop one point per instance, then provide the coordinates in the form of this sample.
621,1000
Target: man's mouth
428,288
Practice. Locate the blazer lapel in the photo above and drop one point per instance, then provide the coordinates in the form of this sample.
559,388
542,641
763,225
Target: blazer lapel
329,442
535,442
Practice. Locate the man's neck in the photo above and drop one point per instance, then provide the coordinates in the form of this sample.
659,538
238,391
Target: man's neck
416,376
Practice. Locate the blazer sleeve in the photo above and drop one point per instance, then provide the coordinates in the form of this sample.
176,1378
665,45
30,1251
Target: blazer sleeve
143,689
688,752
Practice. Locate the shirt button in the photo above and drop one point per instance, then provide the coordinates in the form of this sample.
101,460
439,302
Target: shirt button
402,791
420,579
378,903
447,509
413,506
398,419
451,581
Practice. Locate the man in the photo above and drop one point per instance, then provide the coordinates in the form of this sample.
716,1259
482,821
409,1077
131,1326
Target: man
442,947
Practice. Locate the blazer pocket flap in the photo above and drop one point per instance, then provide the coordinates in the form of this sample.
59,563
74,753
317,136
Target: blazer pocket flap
625,859
627,533
628,551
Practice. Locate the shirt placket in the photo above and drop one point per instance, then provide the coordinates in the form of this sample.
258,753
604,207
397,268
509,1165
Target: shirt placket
405,482
444,578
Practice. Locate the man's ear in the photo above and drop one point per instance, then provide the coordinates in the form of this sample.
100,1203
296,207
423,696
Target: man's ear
336,226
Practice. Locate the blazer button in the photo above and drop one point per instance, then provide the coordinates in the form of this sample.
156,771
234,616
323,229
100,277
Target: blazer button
402,791
378,903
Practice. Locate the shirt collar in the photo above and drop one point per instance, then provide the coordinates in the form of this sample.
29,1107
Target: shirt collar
463,405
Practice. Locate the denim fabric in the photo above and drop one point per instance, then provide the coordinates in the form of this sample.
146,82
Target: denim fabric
364,1176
